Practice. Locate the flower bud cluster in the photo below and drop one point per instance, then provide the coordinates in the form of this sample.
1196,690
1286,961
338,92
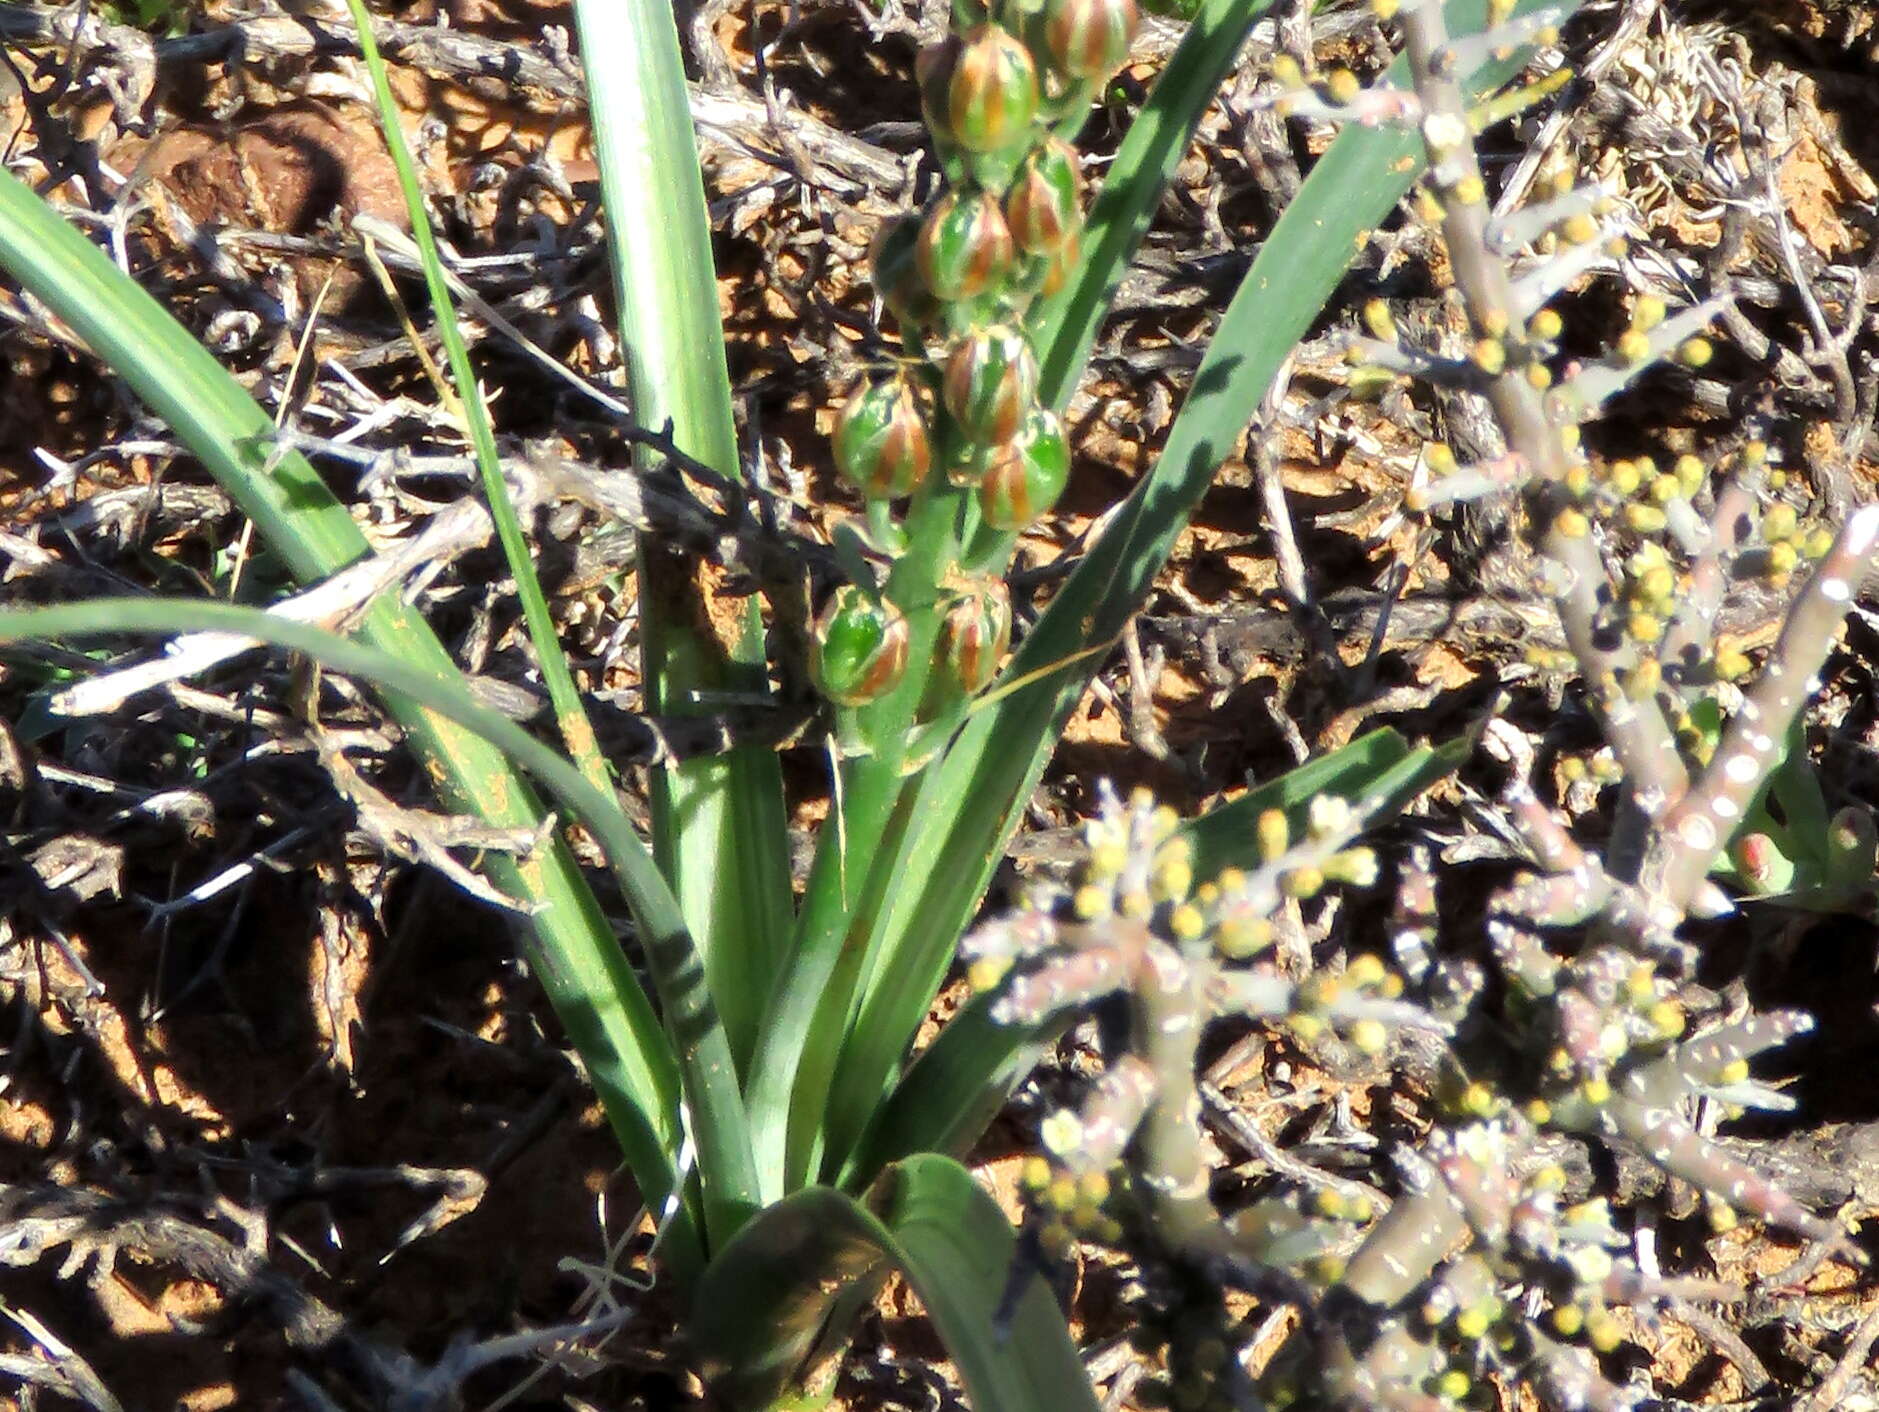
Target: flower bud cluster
961,409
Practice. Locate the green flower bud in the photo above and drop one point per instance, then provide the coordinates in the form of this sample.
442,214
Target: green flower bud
1089,39
859,651
965,246
974,636
896,272
991,91
1041,208
1027,474
881,440
990,384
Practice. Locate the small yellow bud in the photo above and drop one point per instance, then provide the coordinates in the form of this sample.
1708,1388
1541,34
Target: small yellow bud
1469,191
1035,1174
1172,879
985,973
1667,1018
1365,969
1489,355
1696,352
1186,922
1732,664
1369,1037
1571,524
1648,312
1734,1072
1302,883
1546,326
1454,1385
1596,1090
1579,228
1632,347
1473,1323
1645,627
1568,1320
1625,477
1091,902
1273,834
1603,1332
1241,937
1645,519
1342,86
1691,473
1378,320
1286,72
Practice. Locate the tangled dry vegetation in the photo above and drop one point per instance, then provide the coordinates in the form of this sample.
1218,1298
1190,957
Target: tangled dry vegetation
283,1123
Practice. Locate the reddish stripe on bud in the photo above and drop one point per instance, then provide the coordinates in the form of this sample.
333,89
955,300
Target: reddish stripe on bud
1089,39
881,440
991,383
974,636
1042,207
991,94
859,651
1026,474
965,246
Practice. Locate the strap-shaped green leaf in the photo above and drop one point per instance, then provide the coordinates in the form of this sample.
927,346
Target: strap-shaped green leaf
719,824
762,1307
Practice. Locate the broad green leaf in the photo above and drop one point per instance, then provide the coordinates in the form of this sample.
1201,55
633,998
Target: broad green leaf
719,826
310,531
952,1091
761,1308
1379,769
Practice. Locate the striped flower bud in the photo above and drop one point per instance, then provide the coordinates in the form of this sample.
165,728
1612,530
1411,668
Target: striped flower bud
859,651
1027,473
881,440
896,273
1089,39
1041,208
974,636
990,384
965,246
991,93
